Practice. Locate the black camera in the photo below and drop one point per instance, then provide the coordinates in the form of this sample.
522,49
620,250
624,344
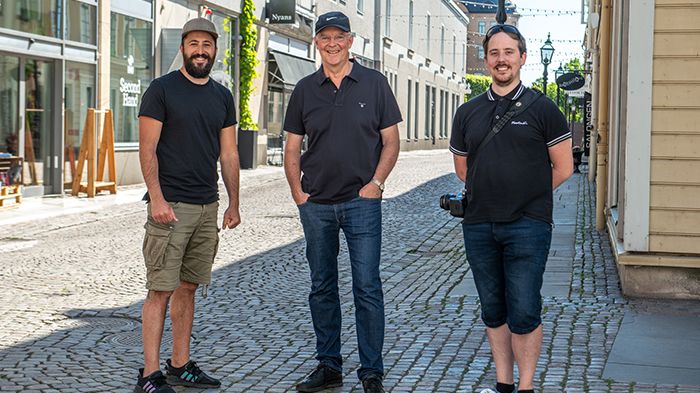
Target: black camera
454,203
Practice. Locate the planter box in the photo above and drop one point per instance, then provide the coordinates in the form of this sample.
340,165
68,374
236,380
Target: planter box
248,148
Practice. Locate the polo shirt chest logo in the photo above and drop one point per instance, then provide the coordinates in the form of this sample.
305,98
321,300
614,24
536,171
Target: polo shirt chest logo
362,104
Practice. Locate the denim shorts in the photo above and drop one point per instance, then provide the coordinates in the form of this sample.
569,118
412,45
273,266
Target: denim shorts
507,261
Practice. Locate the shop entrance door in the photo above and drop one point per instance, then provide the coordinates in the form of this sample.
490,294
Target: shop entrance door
36,113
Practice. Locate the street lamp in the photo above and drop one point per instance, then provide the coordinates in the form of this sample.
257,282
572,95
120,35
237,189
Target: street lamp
559,72
546,52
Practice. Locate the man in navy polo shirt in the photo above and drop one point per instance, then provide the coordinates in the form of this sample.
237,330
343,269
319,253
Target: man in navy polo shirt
350,116
508,220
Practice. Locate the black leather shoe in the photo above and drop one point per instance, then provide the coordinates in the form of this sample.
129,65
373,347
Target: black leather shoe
323,377
373,384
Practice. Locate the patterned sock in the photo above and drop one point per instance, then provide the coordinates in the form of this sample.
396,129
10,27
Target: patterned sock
505,387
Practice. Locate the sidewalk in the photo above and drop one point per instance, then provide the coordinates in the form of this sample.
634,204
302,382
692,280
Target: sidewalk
42,208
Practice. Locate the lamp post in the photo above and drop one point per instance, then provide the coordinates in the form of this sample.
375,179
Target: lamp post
559,72
546,52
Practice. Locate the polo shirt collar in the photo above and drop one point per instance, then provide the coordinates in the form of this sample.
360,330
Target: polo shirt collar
321,77
512,95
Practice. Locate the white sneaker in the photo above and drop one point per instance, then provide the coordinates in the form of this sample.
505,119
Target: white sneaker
488,391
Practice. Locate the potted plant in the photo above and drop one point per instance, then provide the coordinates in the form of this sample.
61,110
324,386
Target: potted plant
247,129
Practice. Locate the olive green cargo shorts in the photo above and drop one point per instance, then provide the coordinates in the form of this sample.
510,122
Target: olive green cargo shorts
182,250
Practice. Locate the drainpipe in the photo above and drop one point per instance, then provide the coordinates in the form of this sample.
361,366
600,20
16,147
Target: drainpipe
378,43
603,120
594,103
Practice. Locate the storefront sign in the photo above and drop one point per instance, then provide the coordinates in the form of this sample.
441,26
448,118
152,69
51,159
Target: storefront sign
130,92
281,11
588,123
571,81
130,65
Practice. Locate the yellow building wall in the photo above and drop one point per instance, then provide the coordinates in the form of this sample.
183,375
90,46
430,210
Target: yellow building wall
674,222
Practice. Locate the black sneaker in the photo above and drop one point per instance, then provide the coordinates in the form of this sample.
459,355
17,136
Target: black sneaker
154,383
323,377
189,375
373,384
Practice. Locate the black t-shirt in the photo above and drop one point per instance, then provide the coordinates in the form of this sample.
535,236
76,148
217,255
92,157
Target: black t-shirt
513,177
343,127
188,149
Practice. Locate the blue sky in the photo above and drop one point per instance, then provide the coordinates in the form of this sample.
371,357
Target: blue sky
540,17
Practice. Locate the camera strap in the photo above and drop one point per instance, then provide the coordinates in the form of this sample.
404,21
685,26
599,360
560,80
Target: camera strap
520,106
528,97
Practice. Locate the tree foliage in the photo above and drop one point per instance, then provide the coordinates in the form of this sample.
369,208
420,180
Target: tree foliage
478,84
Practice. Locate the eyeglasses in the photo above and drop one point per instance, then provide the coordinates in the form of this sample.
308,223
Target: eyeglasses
505,28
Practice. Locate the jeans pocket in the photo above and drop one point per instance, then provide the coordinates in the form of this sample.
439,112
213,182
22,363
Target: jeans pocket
155,244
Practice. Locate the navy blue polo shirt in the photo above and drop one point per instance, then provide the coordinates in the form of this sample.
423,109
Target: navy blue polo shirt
343,128
513,177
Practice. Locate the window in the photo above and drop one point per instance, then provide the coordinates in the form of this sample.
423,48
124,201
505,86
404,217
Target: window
481,52
442,45
416,111
427,38
360,7
409,103
442,113
428,112
387,19
464,58
79,95
131,71
35,17
482,27
410,24
454,52
81,22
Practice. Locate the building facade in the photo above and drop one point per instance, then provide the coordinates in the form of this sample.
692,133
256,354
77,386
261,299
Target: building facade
61,57
482,15
645,151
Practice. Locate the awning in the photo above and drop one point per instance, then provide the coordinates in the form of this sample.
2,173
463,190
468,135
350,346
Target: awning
293,68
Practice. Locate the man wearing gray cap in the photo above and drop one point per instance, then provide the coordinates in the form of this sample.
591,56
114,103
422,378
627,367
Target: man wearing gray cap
186,123
349,115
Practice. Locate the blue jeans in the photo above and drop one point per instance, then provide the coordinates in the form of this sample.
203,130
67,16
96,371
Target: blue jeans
508,261
361,222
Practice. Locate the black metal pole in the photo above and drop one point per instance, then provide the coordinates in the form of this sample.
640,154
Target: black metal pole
544,89
501,13
558,95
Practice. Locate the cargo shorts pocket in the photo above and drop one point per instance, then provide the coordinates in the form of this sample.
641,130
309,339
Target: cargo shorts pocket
155,244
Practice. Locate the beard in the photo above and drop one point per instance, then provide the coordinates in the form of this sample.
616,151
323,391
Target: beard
196,71
504,80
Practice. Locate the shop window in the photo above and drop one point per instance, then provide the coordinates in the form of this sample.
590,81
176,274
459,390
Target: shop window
131,72
79,95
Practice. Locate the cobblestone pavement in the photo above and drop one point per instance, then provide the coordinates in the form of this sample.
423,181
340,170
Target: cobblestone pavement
73,287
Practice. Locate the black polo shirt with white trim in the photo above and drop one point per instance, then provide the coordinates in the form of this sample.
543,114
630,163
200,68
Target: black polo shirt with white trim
513,177
343,127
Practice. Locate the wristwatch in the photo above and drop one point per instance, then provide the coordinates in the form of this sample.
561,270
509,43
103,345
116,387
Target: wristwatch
378,184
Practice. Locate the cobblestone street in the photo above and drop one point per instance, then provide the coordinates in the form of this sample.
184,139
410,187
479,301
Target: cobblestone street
73,287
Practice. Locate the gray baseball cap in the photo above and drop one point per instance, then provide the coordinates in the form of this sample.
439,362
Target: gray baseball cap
199,24
333,19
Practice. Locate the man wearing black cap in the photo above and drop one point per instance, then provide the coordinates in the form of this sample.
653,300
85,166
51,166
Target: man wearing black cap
186,123
350,116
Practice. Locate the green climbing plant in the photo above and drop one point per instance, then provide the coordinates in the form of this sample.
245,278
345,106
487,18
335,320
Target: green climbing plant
248,62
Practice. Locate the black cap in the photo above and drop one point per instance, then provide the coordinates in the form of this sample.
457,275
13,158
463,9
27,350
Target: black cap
333,19
199,24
